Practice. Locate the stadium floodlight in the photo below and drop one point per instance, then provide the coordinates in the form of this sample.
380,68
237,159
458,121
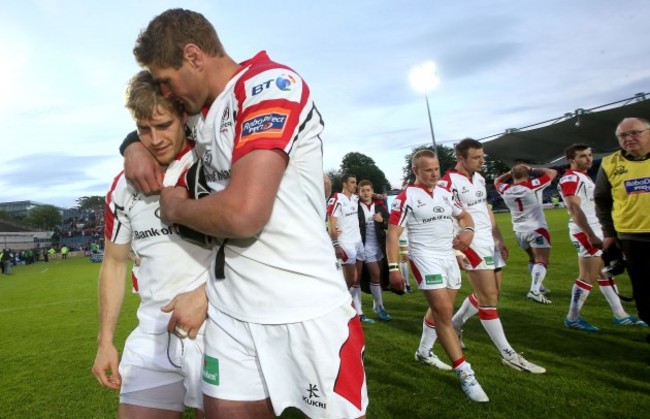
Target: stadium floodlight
424,78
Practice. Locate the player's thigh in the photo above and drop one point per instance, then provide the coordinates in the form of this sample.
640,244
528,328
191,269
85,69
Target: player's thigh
226,409
440,303
374,271
129,411
157,366
485,287
590,268
162,402
541,254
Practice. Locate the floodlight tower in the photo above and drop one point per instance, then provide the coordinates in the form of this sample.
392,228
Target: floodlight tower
424,78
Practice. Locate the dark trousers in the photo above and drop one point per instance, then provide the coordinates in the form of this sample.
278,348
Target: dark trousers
637,258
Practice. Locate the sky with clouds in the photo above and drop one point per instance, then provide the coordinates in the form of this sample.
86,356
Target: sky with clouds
502,64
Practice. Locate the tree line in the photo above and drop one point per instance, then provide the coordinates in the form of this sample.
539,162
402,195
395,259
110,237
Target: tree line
48,217
364,167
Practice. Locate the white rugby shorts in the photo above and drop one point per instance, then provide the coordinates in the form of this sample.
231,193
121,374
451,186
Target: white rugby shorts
146,365
353,252
483,256
372,252
315,365
579,240
539,239
434,274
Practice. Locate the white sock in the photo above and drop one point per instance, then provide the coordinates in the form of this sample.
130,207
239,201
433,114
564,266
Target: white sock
355,291
463,366
428,338
375,289
538,273
492,324
579,294
609,291
468,309
404,269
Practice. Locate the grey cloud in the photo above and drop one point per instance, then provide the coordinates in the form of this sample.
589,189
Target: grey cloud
48,169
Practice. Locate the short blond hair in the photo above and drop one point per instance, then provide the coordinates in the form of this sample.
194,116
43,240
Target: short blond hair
415,160
143,96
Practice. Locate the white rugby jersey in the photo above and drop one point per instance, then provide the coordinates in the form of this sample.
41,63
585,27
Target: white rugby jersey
346,211
369,217
287,273
169,265
524,205
472,195
577,183
427,216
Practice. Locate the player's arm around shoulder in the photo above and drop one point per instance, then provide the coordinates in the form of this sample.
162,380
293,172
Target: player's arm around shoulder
111,295
242,209
140,167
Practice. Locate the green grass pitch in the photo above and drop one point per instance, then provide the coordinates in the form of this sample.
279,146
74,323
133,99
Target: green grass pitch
48,325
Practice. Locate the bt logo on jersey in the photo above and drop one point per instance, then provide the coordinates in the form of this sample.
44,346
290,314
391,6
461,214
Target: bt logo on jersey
260,87
284,82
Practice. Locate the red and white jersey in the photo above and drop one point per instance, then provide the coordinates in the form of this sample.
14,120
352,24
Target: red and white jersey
169,265
427,216
287,273
579,184
472,195
346,211
524,204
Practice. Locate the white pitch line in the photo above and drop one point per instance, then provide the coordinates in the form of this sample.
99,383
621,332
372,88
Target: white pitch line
44,305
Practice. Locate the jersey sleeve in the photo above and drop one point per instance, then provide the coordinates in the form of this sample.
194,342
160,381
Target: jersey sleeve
334,206
398,210
501,187
179,166
445,182
271,101
569,184
539,183
117,227
456,207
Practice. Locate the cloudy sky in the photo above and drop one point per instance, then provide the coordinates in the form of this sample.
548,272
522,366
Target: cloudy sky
64,65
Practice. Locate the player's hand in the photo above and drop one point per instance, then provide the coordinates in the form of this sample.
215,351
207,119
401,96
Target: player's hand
609,242
340,253
141,169
396,282
171,200
189,311
378,218
463,240
106,365
503,250
595,241
461,259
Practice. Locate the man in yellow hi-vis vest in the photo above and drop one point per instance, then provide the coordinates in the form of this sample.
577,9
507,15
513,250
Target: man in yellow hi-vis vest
622,197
